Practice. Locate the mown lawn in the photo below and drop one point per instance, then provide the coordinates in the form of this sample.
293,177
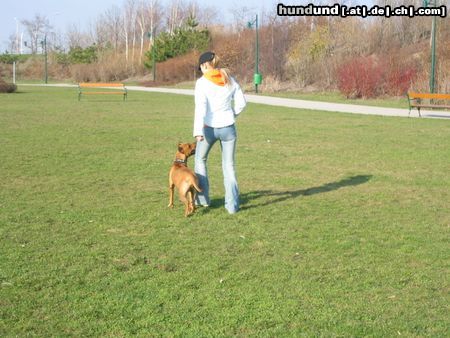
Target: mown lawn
344,228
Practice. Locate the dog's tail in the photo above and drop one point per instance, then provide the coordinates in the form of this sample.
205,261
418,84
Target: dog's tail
195,184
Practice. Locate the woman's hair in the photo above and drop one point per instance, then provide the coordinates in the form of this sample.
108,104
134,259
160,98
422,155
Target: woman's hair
224,71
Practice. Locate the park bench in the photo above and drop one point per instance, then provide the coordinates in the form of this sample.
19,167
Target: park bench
427,100
88,88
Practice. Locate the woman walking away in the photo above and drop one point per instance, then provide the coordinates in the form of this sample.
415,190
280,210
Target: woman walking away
215,121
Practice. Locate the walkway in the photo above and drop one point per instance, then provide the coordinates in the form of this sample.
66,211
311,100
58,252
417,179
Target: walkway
302,104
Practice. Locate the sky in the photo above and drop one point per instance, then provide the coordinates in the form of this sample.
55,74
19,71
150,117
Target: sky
82,13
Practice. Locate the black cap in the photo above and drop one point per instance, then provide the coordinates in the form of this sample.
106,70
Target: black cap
205,57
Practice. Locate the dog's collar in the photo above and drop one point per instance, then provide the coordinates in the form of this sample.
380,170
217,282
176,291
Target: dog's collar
179,160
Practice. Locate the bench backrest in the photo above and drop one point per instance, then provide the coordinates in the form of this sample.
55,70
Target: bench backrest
97,85
430,96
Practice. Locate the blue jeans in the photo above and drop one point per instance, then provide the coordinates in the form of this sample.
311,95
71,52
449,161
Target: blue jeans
227,137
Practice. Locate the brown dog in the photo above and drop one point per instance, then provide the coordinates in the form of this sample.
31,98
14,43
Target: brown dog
183,178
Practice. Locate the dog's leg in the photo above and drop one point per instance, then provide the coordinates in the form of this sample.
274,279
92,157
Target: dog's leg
183,191
185,200
171,187
189,200
194,195
192,199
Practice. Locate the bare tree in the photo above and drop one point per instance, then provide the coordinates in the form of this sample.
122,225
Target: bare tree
13,45
148,19
109,28
141,20
208,16
175,17
36,28
128,24
241,15
77,38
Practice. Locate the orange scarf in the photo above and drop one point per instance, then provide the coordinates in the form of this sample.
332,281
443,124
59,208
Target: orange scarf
215,76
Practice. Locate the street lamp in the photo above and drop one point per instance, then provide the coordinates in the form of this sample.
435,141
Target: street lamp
429,3
257,78
152,35
44,46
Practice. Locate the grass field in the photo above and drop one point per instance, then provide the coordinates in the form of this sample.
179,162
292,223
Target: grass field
344,227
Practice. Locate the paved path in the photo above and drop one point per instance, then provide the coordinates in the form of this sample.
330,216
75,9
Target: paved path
302,104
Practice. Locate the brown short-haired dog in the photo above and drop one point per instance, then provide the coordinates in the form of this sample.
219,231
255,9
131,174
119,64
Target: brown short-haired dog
183,178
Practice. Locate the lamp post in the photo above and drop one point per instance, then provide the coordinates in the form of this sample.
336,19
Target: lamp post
151,35
44,51
429,3
44,46
257,78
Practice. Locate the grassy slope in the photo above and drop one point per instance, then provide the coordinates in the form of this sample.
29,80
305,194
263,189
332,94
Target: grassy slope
344,228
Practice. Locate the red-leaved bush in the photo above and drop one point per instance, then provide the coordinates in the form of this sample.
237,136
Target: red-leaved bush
367,77
360,77
399,79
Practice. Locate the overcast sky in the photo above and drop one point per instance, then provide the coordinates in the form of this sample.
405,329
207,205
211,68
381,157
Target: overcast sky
62,13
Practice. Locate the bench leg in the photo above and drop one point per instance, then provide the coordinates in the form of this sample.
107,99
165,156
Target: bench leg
419,112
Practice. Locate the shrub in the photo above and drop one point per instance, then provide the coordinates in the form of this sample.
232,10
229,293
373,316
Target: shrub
7,87
365,77
399,79
33,68
109,67
307,59
8,58
84,72
182,68
236,53
83,55
361,77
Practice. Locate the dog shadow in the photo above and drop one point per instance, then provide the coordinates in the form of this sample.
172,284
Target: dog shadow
281,196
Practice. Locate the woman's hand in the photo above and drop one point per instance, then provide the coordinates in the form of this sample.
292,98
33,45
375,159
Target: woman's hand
199,138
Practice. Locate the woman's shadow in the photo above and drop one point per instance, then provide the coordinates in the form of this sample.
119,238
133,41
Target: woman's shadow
281,196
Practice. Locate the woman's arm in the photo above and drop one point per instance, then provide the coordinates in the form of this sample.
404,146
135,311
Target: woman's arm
239,100
201,106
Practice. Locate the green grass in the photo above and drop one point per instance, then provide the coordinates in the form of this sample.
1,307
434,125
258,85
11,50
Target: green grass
344,228
336,97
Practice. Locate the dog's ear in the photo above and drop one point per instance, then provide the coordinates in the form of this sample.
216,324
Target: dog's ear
180,148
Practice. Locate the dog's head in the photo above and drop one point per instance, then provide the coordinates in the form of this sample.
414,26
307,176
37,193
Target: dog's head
187,149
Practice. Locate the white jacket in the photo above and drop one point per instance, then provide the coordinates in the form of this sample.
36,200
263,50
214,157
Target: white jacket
213,104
